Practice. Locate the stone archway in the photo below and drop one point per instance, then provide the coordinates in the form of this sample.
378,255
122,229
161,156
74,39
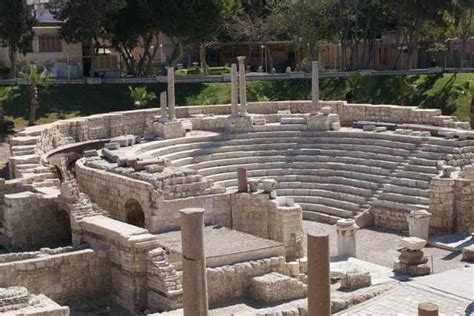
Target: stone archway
134,213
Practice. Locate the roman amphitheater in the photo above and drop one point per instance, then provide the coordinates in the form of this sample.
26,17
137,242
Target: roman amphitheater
115,207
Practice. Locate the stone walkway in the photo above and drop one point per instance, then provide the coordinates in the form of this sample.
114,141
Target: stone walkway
404,300
380,247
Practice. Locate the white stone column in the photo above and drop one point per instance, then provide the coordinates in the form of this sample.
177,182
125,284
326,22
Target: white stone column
234,90
419,224
164,106
243,87
171,94
346,239
195,296
315,87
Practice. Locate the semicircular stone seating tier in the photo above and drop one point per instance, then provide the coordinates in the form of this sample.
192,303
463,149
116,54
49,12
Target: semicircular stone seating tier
332,175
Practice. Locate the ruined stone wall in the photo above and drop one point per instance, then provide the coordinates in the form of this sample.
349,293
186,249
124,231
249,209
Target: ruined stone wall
73,276
464,195
392,219
135,263
442,205
231,282
32,220
167,217
258,215
111,191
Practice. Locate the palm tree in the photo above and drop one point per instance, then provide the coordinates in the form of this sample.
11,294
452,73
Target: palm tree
35,78
141,96
6,93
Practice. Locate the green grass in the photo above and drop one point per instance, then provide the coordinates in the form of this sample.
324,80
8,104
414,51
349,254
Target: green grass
449,92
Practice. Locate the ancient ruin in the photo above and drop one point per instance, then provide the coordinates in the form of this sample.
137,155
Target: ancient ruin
94,206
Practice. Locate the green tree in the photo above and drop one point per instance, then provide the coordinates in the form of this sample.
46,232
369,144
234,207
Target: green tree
193,23
16,29
85,21
129,33
35,78
6,93
460,16
141,96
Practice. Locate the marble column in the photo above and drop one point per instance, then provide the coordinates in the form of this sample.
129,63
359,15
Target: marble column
346,240
171,94
164,106
242,179
235,90
242,86
195,295
319,285
315,87
419,224
428,309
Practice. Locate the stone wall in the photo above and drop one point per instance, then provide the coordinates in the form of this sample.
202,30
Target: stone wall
258,215
231,282
452,204
32,220
135,264
74,276
388,218
111,192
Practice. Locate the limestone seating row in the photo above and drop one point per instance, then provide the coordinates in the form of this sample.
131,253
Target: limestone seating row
288,179
277,158
195,156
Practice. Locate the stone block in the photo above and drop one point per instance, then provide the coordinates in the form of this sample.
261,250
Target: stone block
169,130
356,279
411,270
468,253
112,146
90,153
239,124
412,243
275,287
326,110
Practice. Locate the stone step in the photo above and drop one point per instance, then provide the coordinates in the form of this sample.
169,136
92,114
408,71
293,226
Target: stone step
353,199
336,184
320,217
278,127
24,140
293,120
349,177
414,175
406,190
399,206
333,203
412,183
294,159
28,159
422,169
403,198
324,209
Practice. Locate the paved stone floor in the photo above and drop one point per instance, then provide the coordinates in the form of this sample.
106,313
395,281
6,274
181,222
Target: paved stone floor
380,247
404,299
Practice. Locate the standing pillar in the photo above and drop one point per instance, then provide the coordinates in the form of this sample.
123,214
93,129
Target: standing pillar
243,87
346,239
428,309
315,87
419,224
234,90
319,286
195,297
163,106
242,179
171,94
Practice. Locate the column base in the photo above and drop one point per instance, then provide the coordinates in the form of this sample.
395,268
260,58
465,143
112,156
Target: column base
168,129
239,124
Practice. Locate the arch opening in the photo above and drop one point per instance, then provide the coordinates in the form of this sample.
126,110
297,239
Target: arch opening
135,214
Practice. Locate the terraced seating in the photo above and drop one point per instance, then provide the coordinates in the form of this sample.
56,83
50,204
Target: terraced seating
332,175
